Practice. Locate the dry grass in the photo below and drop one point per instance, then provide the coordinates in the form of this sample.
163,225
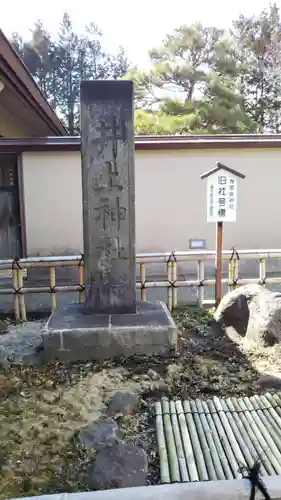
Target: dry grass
41,409
40,413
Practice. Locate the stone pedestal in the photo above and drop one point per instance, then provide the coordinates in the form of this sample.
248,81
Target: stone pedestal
71,335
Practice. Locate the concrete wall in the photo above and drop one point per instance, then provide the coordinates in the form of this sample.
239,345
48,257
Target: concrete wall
52,188
11,126
170,200
237,489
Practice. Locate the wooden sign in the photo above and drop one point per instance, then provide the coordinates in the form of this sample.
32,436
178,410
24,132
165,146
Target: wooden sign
222,193
221,207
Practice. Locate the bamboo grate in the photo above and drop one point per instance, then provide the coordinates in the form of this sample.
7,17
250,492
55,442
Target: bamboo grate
200,440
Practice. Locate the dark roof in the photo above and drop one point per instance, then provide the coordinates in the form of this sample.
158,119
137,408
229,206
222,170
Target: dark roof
220,166
24,84
151,142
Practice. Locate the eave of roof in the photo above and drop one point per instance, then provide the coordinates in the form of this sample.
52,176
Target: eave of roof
220,166
18,75
148,143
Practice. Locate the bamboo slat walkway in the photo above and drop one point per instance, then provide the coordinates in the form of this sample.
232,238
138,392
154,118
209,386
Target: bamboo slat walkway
202,440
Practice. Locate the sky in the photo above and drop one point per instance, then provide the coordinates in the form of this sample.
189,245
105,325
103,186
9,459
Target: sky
136,25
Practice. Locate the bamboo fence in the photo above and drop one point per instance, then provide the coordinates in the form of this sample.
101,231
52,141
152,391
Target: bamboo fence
216,439
18,270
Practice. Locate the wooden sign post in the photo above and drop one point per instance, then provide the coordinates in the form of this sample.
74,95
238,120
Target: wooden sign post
221,207
218,292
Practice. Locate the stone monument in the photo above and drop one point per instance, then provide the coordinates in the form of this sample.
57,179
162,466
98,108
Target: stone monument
110,323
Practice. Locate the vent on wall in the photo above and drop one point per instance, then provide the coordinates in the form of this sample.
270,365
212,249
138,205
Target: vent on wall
197,244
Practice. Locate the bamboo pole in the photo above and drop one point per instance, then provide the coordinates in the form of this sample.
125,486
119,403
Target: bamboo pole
149,284
181,256
52,285
46,289
174,289
276,396
187,446
233,271
264,437
171,446
16,297
267,429
270,404
274,410
256,438
142,280
274,400
267,417
231,437
262,270
7,291
43,264
205,445
236,271
230,274
160,436
218,442
201,466
169,287
241,434
81,277
207,282
178,442
21,296
222,427
210,441
200,278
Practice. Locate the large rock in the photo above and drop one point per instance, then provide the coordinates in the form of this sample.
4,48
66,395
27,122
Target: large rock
120,466
100,434
253,312
270,381
122,403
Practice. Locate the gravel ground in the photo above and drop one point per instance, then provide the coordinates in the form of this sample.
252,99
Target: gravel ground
21,343
42,406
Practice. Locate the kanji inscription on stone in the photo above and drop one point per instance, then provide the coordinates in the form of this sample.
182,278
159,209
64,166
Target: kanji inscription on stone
108,196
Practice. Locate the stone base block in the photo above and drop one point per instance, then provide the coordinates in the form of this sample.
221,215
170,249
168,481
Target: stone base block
71,335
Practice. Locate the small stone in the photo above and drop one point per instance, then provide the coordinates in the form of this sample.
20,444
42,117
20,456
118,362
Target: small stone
120,466
210,389
62,377
100,434
153,375
49,397
122,403
162,386
88,368
120,370
16,381
270,381
49,384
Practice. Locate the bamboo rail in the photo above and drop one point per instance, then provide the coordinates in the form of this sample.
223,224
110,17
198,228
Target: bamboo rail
18,269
